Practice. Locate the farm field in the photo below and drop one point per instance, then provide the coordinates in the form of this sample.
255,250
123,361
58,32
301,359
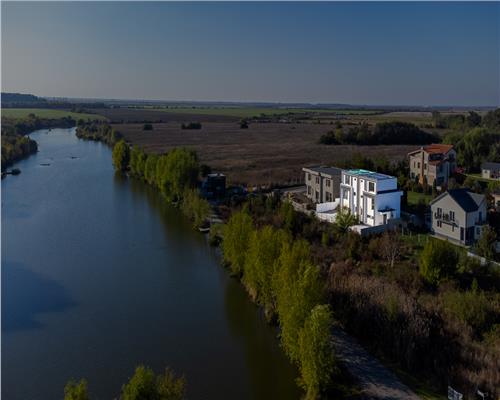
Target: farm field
46,113
263,154
249,112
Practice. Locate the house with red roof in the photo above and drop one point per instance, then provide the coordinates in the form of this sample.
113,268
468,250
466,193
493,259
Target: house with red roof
434,162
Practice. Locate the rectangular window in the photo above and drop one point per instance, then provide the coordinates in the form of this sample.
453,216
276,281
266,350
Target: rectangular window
308,177
439,211
373,204
328,183
425,166
439,224
317,180
347,179
371,186
418,165
452,216
328,196
461,234
309,190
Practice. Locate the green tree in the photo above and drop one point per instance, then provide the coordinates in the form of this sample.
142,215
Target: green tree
121,155
144,385
237,234
298,289
76,390
317,362
485,246
438,260
264,249
178,171
150,168
194,207
288,215
137,161
344,220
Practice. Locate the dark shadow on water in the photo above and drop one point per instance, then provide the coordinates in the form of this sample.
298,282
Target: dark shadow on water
272,375
26,294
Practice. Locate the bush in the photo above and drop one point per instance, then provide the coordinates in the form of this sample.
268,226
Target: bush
438,261
76,390
144,385
191,125
470,307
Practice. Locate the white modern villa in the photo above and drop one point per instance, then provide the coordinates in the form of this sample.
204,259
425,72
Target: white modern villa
373,197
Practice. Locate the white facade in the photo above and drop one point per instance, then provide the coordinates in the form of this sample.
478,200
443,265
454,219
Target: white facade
373,197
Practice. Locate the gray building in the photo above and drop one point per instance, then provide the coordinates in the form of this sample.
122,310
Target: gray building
322,183
490,170
458,215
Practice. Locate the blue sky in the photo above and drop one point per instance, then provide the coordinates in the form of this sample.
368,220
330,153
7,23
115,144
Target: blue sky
359,53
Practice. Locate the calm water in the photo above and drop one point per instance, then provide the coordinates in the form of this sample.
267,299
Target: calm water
100,275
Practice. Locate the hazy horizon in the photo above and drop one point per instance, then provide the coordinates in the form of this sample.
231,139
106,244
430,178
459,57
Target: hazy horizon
373,54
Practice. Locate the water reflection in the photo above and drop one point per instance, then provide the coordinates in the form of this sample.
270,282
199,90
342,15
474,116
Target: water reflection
27,294
266,363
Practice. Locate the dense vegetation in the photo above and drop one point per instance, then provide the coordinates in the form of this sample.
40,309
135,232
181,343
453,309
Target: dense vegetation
15,145
415,301
143,385
278,273
476,138
98,131
175,174
384,133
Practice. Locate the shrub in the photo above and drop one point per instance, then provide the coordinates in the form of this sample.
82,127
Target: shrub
438,260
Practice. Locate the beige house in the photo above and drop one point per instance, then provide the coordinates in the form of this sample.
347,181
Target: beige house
458,215
322,183
435,162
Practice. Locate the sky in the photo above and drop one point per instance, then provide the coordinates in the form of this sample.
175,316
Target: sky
425,53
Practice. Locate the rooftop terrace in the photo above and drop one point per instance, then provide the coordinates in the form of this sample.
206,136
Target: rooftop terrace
368,174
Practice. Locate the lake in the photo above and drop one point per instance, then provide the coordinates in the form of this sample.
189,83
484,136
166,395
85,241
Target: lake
99,275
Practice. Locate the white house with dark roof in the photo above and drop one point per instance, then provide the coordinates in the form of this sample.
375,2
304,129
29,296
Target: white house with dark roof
373,197
458,215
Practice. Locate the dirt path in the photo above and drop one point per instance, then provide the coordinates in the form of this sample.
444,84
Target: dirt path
375,381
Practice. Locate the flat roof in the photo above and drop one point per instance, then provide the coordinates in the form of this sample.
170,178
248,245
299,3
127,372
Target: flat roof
368,174
325,170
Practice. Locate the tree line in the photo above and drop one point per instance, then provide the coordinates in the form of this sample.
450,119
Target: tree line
16,145
175,174
420,302
278,274
385,133
143,385
97,131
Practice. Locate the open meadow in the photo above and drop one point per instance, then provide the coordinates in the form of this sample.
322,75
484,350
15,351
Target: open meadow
263,154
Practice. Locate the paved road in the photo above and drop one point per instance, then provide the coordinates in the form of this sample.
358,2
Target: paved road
375,381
